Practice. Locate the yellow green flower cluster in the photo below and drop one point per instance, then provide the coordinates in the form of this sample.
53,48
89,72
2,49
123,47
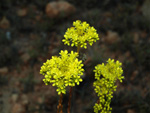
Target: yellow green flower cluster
63,71
106,76
80,34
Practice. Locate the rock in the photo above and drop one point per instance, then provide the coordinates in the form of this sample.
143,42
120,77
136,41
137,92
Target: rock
145,9
3,70
1,94
14,98
66,8
121,58
111,37
40,100
107,14
54,51
52,10
134,74
25,57
59,9
135,38
130,111
18,108
8,35
17,84
22,12
24,99
4,23
143,34
128,54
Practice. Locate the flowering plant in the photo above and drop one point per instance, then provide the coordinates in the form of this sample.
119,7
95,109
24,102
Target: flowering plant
66,70
106,76
63,71
80,34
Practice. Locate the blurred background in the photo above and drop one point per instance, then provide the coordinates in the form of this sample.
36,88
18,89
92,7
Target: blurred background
31,32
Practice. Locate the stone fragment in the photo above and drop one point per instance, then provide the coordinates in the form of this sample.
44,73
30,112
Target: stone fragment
59,9
145,9
111,37
14,98
1,94
24,99
130,111
134,74
136,38
3,70
25,57
4,23
127,54
22,12
121,58
40,100
18,108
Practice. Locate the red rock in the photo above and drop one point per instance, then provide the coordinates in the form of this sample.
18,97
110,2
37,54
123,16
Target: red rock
59,8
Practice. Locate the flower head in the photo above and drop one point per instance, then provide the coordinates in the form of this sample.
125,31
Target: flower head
112,70
63,71
106,76
80,34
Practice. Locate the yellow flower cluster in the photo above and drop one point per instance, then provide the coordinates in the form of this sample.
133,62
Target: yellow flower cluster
63,71
80,34
106,76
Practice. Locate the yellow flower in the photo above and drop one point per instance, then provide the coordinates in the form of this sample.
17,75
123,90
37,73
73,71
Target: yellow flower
106,76
63,71
80,34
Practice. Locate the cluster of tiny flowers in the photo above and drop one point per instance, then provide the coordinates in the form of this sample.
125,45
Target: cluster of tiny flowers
63,71
106,76
80,34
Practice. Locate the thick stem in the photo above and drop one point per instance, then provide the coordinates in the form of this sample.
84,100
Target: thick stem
69,102
60,106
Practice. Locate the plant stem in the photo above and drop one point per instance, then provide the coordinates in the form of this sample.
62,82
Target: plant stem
78,49
98,101
70,91
69,102
60,106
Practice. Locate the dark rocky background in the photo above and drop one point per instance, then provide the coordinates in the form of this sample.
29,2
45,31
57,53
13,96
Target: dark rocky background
31,32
